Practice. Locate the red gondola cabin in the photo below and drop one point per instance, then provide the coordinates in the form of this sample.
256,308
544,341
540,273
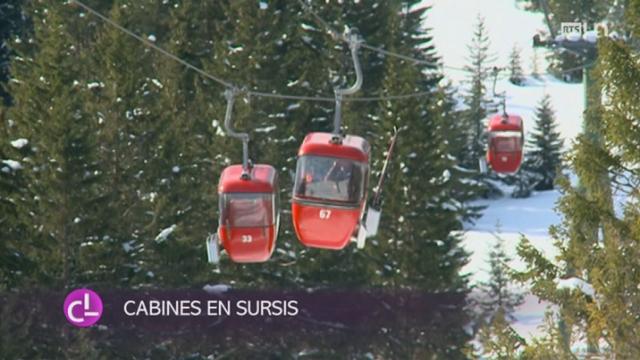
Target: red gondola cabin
504,153
249,216
329,194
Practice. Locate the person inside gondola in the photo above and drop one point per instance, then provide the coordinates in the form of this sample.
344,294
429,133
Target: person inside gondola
333,179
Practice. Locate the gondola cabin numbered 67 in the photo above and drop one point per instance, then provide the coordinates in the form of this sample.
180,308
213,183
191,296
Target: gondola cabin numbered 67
249,216
330,189
506,135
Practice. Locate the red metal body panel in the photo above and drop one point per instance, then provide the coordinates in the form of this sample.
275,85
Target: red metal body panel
324,226
352,147
499,122
248,244
503,162
504,152
262,180
330,224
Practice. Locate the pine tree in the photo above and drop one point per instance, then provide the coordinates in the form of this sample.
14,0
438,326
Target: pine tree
522,183
549,344
544,158
615,18
499,340
516,75
123,101
12,24
478,106
535,64
464,187
130,132
425,232
15,264
498,302
49,113
499,295
54,214
598,245
476,97
416,245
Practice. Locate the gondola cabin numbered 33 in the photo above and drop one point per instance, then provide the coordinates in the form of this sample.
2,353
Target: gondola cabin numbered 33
249,216
506,137
329,195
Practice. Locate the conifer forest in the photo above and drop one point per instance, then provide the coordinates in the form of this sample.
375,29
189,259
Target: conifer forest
242,150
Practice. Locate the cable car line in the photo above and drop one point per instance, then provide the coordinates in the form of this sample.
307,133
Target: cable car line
273,95
230,85
329,199
151,45
332,99
330,189
336,35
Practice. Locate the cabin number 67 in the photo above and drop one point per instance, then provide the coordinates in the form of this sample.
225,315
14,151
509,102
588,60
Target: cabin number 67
325,214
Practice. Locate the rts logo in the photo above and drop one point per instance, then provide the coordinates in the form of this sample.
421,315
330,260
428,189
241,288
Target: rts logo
82,307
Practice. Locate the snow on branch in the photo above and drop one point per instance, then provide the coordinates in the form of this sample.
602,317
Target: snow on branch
574,283
164,234
19,143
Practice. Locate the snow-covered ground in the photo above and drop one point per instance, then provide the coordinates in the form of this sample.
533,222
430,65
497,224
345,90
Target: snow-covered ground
452,23
511,219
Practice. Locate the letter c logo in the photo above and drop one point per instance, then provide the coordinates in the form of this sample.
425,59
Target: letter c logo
82,307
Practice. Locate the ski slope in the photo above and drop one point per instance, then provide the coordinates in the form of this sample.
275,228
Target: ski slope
451,23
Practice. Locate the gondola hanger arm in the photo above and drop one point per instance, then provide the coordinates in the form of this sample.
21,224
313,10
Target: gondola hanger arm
354,45
230,94
503,95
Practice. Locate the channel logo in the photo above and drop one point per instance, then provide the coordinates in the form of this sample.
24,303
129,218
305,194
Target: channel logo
82,307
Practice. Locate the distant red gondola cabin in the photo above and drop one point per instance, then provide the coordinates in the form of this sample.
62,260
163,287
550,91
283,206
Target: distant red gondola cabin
249,216
330,187
506,135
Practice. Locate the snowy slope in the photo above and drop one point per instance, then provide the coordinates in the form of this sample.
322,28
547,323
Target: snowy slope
452,23
567,101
